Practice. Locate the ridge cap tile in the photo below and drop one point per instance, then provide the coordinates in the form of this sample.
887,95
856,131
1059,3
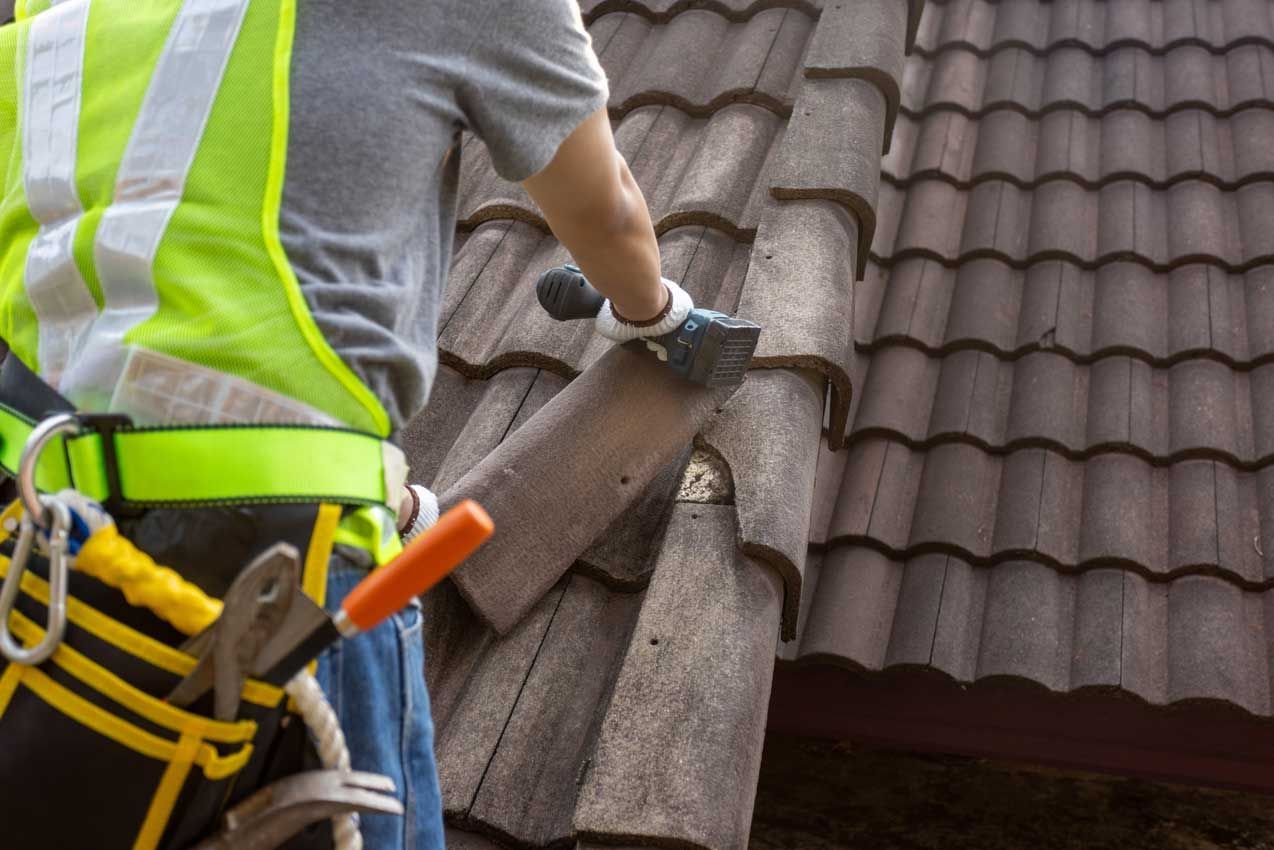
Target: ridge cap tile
552,496
864,40
768,435
805,246
830,150
701,655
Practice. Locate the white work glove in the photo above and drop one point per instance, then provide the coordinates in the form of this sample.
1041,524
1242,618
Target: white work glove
424,513
679,306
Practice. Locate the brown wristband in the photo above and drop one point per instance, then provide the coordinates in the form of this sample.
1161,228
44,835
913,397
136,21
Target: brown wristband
415,512
663,314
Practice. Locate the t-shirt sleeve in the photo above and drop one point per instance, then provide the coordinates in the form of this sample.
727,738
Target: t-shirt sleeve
530,79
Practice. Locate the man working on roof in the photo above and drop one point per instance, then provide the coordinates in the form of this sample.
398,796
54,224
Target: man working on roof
220,212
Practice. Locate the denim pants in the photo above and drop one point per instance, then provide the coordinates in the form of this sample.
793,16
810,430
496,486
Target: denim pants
376,684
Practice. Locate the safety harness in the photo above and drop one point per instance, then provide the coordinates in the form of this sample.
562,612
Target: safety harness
126,468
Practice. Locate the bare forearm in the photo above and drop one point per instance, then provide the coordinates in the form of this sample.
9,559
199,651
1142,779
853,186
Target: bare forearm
619,254
594,207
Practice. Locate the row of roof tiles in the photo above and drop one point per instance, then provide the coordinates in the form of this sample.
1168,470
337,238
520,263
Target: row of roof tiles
1193,517
1184,77
1125,144
1194,409
1189,222
1120,308
1195,639
682,164
1094,25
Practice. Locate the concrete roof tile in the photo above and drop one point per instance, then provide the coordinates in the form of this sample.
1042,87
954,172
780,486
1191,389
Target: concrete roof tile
863,40
1054,376
768,434
699,662
596,457
1066,76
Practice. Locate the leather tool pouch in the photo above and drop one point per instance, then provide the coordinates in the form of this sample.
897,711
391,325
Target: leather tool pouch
90,753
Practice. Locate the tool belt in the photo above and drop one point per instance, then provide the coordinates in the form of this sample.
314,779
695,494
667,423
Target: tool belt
91,755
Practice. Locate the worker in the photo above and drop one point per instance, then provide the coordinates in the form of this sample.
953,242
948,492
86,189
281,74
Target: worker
218,212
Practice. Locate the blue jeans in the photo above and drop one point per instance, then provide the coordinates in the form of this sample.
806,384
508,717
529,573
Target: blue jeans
376,684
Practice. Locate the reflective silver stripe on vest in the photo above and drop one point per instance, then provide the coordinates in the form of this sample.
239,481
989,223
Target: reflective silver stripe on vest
51,118
149,184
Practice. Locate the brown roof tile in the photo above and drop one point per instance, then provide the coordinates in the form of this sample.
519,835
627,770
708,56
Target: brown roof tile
862,40
699,60
725,175
1056,469
1197,638
1196,408
574,724
1124,144
552,491
1095,25
1067,77
663,10
768,435
829,151
1118,308
1189,222
806,247
683,732
1190,517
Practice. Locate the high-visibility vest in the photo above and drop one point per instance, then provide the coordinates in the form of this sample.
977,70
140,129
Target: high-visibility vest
143,148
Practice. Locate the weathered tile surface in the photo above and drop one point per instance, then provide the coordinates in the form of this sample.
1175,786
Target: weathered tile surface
1012,417
1061,442
1094,25
601,671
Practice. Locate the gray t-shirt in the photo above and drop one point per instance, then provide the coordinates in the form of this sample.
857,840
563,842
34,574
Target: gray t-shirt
380,92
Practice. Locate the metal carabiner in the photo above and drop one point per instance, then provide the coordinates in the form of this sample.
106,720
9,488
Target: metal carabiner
55,624
40,437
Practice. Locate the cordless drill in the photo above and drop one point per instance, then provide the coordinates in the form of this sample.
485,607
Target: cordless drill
708,348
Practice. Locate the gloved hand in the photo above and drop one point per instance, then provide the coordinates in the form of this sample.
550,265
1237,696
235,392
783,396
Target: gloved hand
419,511
613,326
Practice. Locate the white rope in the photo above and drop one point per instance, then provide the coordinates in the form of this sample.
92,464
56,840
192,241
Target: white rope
322,722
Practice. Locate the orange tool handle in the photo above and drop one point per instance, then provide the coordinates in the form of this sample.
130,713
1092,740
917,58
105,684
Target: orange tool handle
426,561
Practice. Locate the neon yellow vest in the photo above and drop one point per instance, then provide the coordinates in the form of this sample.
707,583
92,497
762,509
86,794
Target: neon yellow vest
143,145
